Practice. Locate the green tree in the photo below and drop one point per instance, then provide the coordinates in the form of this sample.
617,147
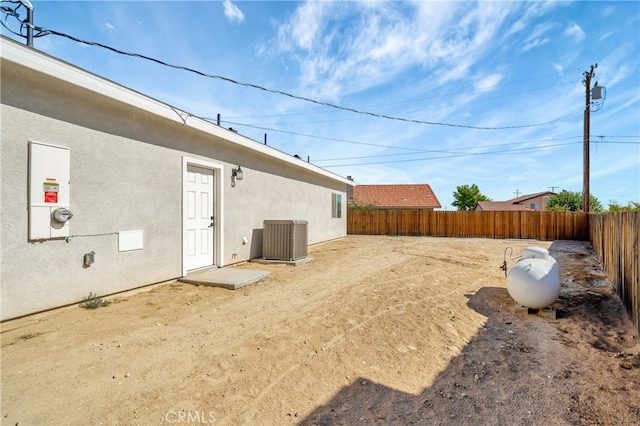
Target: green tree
632,206
570,201
466,197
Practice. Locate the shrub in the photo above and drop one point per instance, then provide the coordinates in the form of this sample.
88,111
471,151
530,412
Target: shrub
92,301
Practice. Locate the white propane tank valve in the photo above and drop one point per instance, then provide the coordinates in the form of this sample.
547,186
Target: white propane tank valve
535,252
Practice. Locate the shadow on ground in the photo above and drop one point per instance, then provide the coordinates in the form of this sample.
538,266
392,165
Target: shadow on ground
516,369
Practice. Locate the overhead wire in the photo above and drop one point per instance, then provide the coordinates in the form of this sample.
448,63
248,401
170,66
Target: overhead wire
452,150
452,156
12,12
500,152
235,123
360,143
43,31
414,150
317,137
420,110
417,99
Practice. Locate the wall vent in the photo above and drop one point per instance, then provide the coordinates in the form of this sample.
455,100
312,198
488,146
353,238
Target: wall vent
284,239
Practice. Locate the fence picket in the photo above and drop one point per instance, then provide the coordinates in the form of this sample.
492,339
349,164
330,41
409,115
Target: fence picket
616,240
535,224
615,237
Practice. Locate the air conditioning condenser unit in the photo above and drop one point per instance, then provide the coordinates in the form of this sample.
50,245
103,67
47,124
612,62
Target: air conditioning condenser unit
284,239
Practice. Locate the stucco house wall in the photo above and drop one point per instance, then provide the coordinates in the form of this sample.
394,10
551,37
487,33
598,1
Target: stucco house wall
128,156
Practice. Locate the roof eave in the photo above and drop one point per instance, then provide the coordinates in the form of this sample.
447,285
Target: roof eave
41,62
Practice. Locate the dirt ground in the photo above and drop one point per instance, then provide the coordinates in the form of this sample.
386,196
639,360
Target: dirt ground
373,330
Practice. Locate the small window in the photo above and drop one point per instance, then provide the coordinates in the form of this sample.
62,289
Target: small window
336,205
534,206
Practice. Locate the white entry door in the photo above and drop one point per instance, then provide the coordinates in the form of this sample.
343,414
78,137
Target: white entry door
199,217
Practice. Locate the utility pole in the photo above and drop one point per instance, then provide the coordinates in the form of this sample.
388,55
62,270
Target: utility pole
585,149
517,193
552,188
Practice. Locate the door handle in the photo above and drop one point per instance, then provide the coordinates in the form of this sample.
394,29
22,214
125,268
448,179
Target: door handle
212,222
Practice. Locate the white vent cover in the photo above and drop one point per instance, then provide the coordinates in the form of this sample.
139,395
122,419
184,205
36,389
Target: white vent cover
284,239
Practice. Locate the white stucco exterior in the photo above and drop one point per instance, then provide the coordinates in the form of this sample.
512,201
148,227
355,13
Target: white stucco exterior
128,156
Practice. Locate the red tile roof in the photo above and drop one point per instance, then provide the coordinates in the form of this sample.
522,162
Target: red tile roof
401,196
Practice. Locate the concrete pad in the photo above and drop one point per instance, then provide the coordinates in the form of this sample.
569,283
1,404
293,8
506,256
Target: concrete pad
231,278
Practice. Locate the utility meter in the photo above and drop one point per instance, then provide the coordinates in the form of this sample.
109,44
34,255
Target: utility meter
49,191
61,215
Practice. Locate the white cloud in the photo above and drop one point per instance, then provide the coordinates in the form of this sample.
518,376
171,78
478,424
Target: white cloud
306,24
534,44
232,12
488,83
537,36
575,32
348,47
606,35
109,26
559,68
516,27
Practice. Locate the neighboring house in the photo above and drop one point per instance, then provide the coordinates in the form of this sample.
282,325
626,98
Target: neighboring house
396,197
530,202
500,206
94,171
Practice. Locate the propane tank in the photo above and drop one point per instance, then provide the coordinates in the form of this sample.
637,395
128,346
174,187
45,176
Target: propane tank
534,281
537,252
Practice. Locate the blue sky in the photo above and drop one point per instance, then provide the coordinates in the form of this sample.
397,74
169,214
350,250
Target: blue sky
514,67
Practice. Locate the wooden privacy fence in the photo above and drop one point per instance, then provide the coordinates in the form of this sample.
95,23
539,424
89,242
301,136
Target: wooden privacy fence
616,240
533,224
615,236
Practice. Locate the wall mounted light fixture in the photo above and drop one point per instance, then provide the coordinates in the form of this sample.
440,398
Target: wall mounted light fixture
236,173
89,258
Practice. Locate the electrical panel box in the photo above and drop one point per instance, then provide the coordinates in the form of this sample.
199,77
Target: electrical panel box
49,191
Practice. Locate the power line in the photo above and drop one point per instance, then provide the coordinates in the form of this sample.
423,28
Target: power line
453,150
420,110
316,137
449,151
379,145
506,151
415,150
616,142
417,99
43,32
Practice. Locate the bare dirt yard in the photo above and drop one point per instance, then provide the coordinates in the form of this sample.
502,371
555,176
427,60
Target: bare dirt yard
373,330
